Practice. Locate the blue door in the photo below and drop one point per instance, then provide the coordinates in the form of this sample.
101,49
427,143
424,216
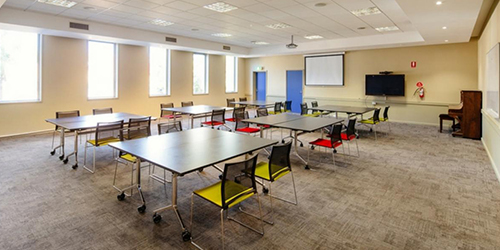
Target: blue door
294,89
260,85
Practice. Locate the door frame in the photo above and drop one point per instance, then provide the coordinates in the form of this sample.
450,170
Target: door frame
302,85
254,82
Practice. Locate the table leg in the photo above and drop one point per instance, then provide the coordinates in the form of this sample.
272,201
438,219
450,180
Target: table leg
186,235
296,152
141,208
61,143
192,121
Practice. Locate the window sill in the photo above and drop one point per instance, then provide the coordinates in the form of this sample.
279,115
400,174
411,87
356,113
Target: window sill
236,92
104,98
201,94
20,102
156,96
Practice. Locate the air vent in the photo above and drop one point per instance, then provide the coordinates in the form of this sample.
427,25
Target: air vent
79,26
224,47
171,39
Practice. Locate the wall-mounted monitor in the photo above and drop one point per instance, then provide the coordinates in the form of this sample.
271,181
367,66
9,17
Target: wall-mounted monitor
388,85
324,70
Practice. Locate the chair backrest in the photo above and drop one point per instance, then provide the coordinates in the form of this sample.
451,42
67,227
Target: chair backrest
243,99
277,107
102,111
139,128
103,127
303,109
351,127
187,104
65,114
287,106
279,159
314,104
335,133
386,113
218,115
376,115
238,179
262,112
229,102
239,116
237,110
166,112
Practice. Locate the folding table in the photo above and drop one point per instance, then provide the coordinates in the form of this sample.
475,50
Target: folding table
255,103
195,110
174,152
343,109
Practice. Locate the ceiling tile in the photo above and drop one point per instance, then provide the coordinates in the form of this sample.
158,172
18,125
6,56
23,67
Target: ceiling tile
128,9
18,4
180,5
141,4
100,3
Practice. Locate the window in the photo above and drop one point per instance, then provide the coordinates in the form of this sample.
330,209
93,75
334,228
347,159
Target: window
200,74
19,66
102,70
231,74
493,81
159,71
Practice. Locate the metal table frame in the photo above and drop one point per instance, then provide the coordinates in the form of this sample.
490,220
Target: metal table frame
195,110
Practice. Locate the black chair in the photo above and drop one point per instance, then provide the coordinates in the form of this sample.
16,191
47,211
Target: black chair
243,127
217,119
277,108
235,110
372,121
237,184
287,106
171,116
229,102
350,134
102,138
102,111
62,114
332,143
242,99
187,104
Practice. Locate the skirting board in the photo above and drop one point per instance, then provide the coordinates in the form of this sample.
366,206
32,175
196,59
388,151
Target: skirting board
39,132
491,160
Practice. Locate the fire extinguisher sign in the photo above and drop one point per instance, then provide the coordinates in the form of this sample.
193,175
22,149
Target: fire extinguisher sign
413,64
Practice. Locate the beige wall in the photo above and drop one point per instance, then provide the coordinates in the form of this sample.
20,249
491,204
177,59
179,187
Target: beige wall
444,70
491,126
64,85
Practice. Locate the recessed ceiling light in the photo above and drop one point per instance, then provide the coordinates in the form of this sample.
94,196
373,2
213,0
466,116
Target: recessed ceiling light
160,22
277,26
220,7
386,29
439,2
89,8
444,27
222,35
361,28
311,37
259,43
366,11
61,3
320,5
445,41
195,30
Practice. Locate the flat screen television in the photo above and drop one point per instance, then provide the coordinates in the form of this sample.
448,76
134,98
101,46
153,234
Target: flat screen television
389,85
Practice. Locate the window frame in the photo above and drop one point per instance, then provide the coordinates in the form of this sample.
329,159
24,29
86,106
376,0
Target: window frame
169,75
38,73
115,71
207,85
235,80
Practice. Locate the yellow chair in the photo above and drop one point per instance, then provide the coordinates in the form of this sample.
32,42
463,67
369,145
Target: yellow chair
103,136
372,121
304,111
237,184
277,108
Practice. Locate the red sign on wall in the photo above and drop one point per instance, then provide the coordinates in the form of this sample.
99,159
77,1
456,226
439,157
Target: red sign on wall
413,64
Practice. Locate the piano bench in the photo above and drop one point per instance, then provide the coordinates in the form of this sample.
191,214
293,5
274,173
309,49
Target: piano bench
445,117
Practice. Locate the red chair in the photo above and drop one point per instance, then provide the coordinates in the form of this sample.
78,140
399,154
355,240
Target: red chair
233,119
217,119
243,127
350,134
333,142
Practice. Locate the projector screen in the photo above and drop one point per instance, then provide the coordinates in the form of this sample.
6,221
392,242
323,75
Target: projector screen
325,70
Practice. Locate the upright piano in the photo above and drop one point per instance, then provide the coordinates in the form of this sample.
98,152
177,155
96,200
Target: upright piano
468,114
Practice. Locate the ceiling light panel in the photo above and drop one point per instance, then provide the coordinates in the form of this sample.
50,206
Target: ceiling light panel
312,37
259,43
60,3
160,22
222,35
220,7
387,29
278,26
366,11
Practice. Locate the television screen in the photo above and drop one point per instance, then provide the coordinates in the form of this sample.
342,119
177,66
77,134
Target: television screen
391,85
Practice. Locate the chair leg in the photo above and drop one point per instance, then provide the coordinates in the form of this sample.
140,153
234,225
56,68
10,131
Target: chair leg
375,130
222,227
333,157
357,148
349,147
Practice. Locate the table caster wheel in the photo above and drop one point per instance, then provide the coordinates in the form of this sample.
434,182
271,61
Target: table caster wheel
307,167
283,141
65,161
156,218
312,147
302,144
335,151
186,236
200,170
265,190
357,136
52,152
371,130
61,157
121,196
75,166
142,209
220,177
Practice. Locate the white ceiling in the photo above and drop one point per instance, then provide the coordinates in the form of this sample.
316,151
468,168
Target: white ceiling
419,21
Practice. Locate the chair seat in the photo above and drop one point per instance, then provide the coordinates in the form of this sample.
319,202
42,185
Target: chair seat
327,143
368,121
264,126
128,157
104,141
172,116
310,115
381,119
262,171
230,120
274,113
236,193
347,138
211,123
248,130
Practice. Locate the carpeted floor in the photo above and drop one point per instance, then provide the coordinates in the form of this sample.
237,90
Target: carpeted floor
413,188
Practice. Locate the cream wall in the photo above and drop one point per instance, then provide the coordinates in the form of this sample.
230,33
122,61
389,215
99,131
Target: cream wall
444,70
64,85
491,126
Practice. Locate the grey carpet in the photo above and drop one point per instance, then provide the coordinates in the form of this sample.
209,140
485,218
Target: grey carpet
413,188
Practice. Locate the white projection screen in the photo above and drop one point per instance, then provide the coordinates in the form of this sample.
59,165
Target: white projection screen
325,70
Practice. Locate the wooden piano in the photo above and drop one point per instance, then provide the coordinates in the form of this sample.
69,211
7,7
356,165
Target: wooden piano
468,114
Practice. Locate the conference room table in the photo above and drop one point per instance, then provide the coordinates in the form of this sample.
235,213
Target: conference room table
174,152
85,124
295,123
343,109
255,103
195,111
